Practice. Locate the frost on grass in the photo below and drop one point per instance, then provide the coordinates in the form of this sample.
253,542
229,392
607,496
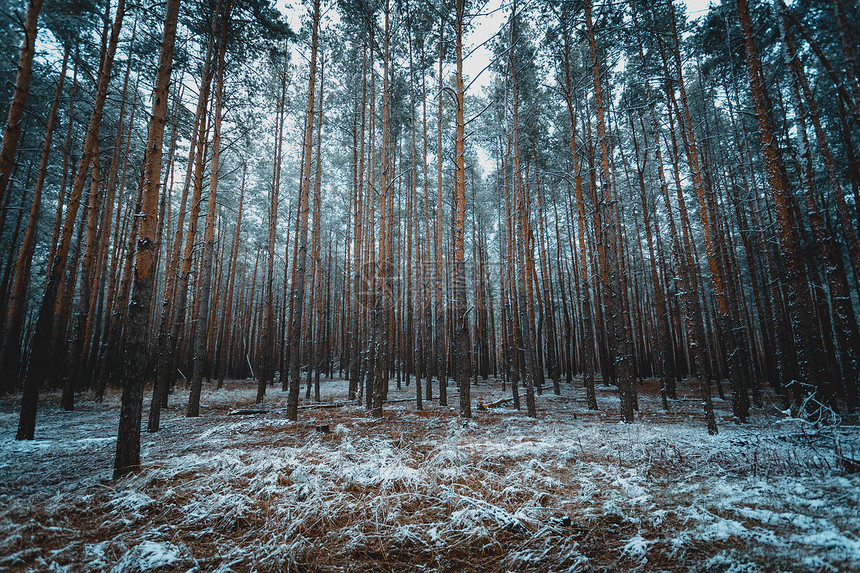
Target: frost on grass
429,491
151,556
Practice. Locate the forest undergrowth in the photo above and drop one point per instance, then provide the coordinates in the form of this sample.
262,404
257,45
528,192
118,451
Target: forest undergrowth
573,490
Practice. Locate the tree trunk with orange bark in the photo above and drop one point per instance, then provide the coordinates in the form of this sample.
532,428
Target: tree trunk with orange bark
800,306
14,121
618,337
128,438
205,280
298,287
40,357
10,352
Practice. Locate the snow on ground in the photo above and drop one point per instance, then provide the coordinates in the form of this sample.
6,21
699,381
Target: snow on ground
571,491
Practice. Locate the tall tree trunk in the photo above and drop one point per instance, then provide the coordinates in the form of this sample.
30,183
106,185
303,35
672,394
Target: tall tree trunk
587,341
225,343
801,311
128,437
298,287
848,338
439,327
358,226
414,348
740,396
99,210
205,280
176,277
267,364
383,300
176,313
93,215
10,352
41,348
523,243
618,337
461,322
317,348
15,119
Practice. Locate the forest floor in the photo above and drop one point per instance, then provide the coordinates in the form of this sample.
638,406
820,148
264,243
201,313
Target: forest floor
573,490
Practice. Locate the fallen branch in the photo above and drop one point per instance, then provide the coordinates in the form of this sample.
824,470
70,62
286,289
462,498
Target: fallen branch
252,411
247,412
496,404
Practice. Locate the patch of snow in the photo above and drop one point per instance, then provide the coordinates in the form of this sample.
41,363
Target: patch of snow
636,548
729,563
831,540
150,556
720,530
130,505
341,430
816,563
24,446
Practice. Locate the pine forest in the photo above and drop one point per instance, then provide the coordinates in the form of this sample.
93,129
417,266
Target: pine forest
429,285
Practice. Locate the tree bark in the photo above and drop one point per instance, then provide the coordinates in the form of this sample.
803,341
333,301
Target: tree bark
40,361
10,359
19,99
461,313
205,281
587,338
128,438
298,287
800,309
618,337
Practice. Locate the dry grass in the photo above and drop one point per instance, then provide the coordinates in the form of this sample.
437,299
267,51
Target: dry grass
426,491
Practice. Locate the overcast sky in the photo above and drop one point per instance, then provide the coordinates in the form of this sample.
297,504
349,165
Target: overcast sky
483,28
